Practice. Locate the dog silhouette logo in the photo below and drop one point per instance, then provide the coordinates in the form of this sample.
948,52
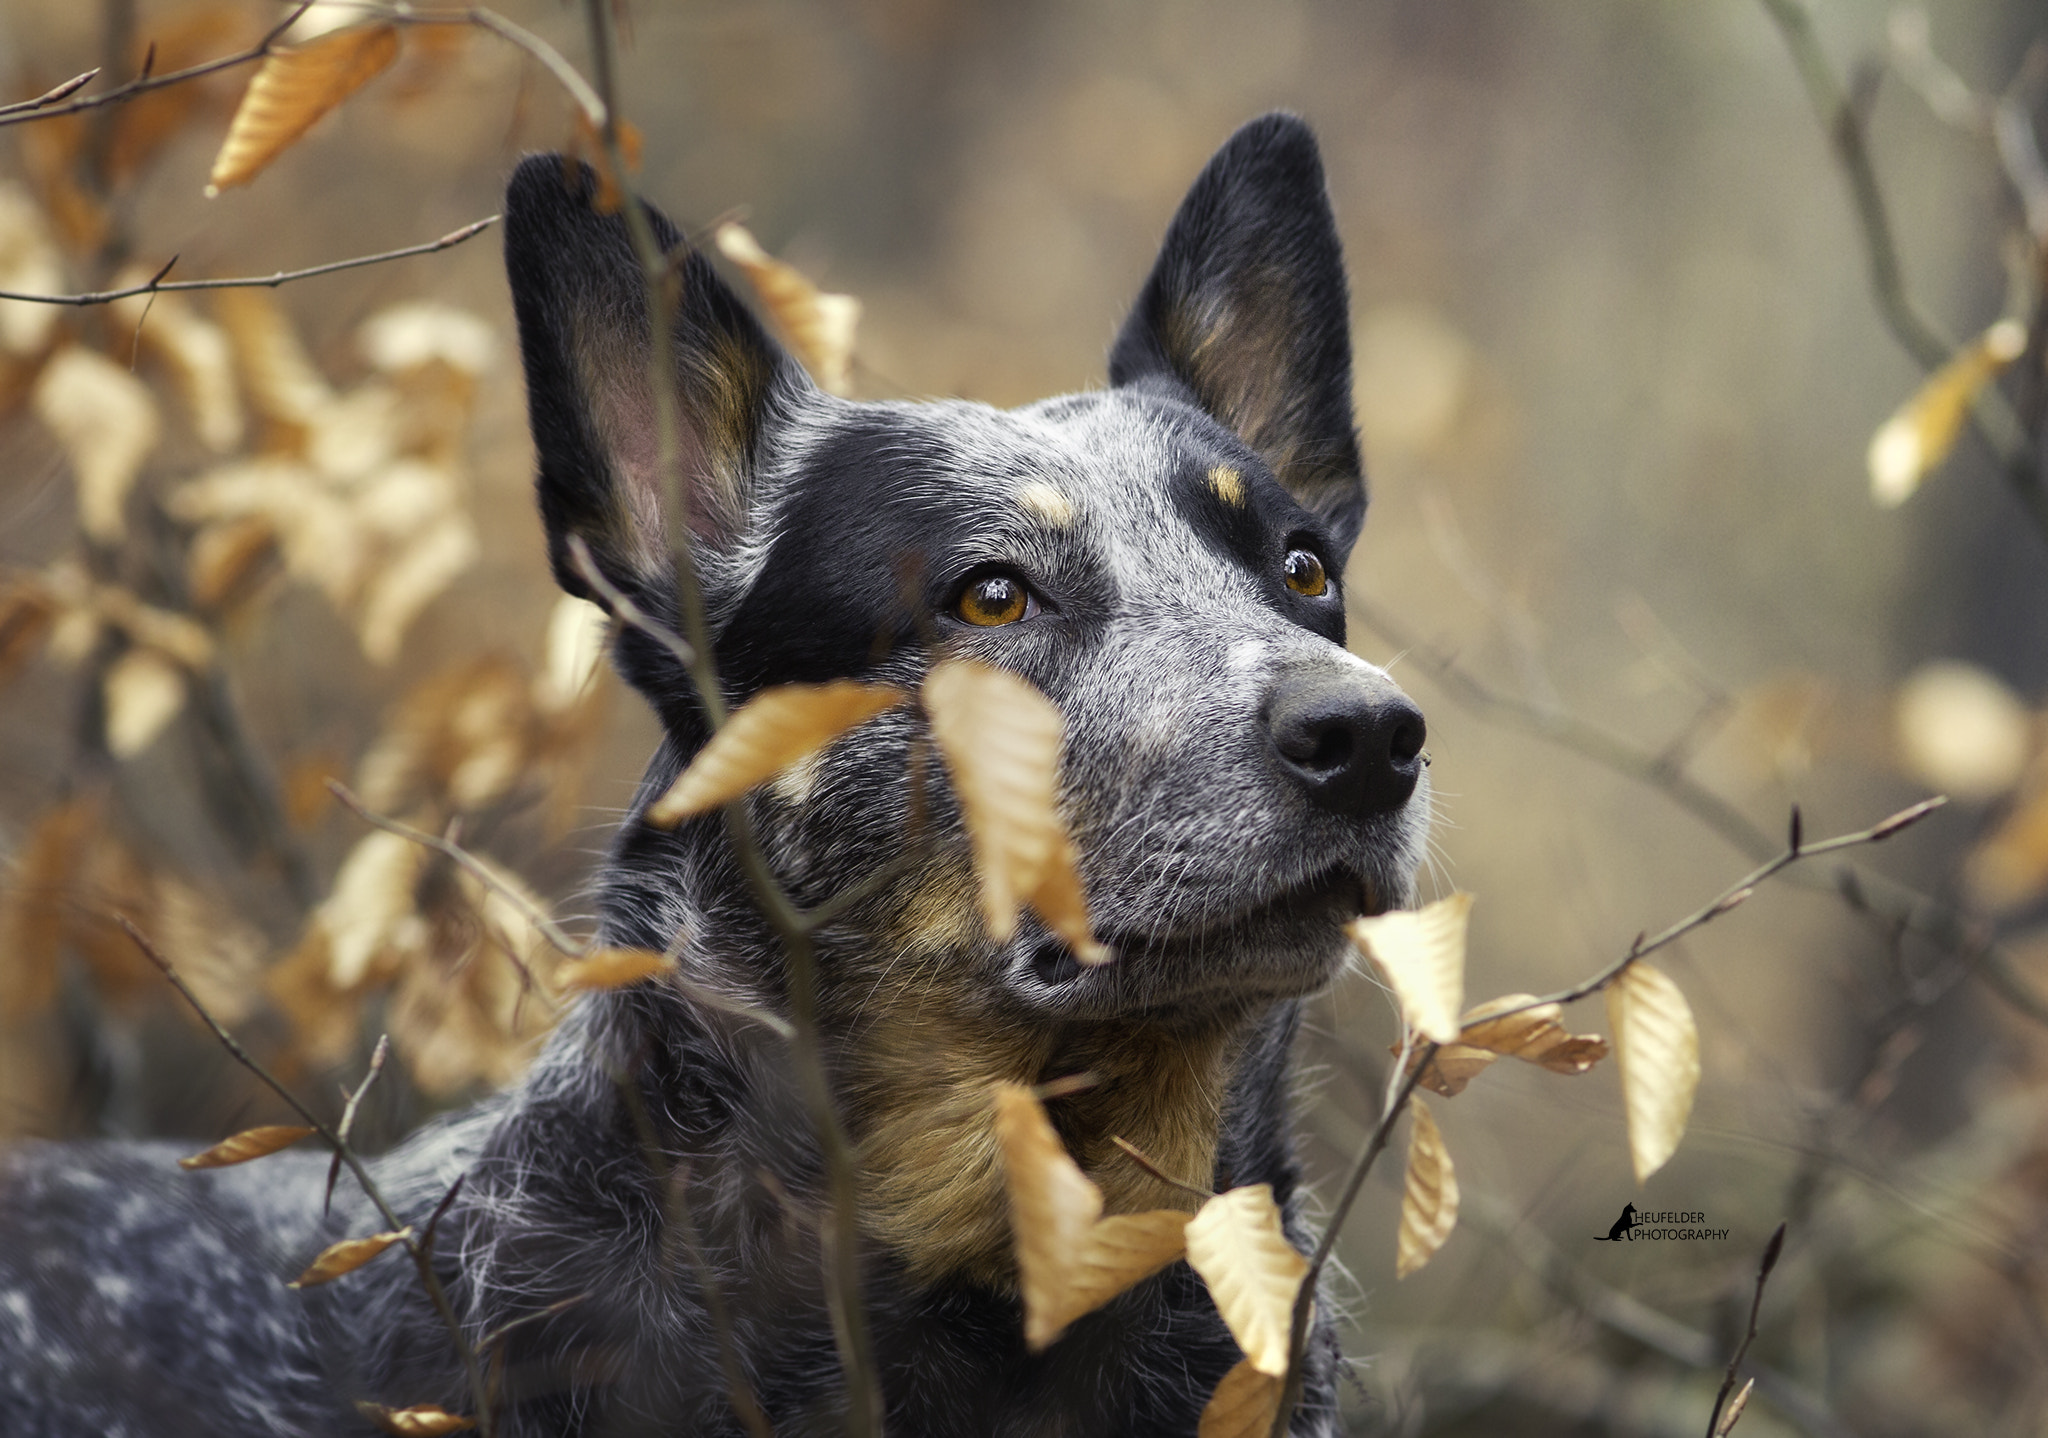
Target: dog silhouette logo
1622,1225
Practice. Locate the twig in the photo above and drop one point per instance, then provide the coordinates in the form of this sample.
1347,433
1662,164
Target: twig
624,609
40,108
1730,898
1734,896
1930,918
422,1258
51,96
1756,1302
159,285
348,1114
842,1239
1842,114
1844,125
1142,1160
1304,1299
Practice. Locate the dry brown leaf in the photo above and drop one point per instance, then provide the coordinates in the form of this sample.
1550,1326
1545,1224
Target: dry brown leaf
292,91
375,896
1450,1068
143,690
423,1421
1913,442
612,969
250,1143
1236,1243
1000,739
776,728
1533,1035
1422,953
820,326
1429,1198
347,1256
1070,1259
1243,1405
1658,1049
106,419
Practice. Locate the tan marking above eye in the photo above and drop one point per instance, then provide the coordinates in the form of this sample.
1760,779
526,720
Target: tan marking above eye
1305,573
1046,501
1228,485
998,599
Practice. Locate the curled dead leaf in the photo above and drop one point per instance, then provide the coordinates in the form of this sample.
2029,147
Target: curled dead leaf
1422,953
612,969
346,1257
820,326
1243,1405
250,1143
1236,1243
776,728
1070,1259
423,1421
1658,1049
1429,1197
1000,739
294,88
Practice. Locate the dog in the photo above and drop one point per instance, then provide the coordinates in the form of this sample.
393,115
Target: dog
1163,558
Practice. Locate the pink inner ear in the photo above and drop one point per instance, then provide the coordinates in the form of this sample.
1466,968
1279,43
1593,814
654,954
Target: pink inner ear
622,409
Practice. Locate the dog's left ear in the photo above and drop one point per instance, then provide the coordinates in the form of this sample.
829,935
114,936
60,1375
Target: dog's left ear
1247,310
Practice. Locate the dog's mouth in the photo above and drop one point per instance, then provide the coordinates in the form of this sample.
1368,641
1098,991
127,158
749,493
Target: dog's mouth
1235,950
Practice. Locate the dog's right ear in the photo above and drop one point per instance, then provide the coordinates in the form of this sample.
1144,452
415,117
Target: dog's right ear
581,299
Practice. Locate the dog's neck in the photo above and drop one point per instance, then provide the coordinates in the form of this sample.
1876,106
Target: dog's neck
920,1088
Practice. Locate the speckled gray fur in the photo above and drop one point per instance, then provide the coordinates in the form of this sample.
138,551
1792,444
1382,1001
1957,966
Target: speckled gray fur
833,538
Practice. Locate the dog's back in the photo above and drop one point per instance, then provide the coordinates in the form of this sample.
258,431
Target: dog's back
637,1236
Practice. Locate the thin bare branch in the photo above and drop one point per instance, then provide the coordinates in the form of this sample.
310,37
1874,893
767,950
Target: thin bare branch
558,938
422,1258
348,1113
1884,899
145,82
841,1239
1842,113
1138,1156
159,285
51,96
1756,1302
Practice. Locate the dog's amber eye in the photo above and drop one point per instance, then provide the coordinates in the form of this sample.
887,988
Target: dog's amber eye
998,599
1305,573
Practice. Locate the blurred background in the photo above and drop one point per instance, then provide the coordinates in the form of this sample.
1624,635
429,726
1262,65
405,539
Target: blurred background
1620,365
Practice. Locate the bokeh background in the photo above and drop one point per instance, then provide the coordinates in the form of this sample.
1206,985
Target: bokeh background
1619,365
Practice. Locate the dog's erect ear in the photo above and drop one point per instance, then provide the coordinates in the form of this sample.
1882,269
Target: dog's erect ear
1247,309
581,299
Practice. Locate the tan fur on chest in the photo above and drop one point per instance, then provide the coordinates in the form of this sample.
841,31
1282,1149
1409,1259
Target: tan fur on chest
919,1089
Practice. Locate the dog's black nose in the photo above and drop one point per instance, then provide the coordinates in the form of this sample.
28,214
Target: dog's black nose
1355,744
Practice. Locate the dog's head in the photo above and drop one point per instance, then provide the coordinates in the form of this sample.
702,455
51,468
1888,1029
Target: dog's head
1164,558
